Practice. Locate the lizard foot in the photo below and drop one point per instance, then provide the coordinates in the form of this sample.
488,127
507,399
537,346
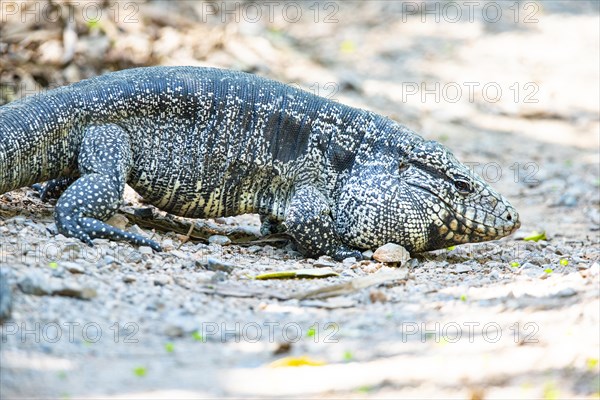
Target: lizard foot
52,189
86,229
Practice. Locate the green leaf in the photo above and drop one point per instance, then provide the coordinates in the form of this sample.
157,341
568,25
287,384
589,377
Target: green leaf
463,297
515,264
169,347
53,265
591,363
451,248
140,371
311,332
548,270
296,362
347,47
550,392
197,336
299,273
348,356
564,262
536,236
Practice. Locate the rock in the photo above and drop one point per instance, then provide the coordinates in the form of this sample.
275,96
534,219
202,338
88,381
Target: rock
119,221
35,283
167,244
391,253
133,256
254,249
462,268
219,239
58,272
73,267
162,280
348,272
567,200
566,292
219,276
5,299
530,269
74,289
325,262
367,254
51,229
137,230
145,250
19,219
129,278
73,247
348,262
594,216
377,296
177,326
106,260
218,265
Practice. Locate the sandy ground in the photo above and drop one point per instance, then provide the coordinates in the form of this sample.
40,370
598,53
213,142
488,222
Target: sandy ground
506,319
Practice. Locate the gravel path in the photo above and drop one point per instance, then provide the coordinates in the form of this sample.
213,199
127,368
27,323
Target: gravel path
511,318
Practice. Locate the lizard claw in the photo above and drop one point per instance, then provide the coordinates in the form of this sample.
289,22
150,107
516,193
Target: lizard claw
344,252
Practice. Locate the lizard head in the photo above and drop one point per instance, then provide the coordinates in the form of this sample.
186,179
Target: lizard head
421,197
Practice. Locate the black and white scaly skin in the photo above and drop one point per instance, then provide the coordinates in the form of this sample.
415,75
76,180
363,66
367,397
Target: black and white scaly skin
201,142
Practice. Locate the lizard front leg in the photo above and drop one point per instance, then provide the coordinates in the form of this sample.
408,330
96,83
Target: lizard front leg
104,162
308,220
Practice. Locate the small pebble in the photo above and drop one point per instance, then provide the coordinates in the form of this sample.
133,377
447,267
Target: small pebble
325,262
530,269
219,276
74,289
145,250
348,262
119,221
179,254
73,267
35,283
367,254
219,239
377,296
391,253
462,268
162,280
167,244
215,264
5,299
566,292
254,249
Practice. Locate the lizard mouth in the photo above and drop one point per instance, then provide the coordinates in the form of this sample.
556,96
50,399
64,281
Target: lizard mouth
472,230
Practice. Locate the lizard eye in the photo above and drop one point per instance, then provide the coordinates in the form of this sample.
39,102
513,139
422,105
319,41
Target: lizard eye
463,187
402,167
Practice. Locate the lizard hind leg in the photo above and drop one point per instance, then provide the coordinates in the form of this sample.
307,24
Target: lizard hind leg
104,162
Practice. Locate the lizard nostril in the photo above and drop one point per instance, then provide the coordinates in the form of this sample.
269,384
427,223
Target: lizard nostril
509,217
